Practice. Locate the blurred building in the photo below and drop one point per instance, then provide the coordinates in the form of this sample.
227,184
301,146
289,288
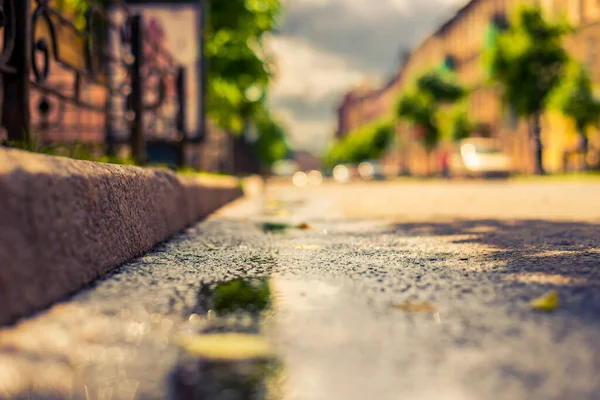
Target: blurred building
458,44
365,103
307,161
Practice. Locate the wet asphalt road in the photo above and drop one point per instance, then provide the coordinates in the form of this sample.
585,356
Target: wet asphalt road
473,255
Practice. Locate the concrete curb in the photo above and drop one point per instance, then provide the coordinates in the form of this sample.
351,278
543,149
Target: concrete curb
64,223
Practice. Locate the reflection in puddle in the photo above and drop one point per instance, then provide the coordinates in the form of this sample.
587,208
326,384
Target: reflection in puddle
256,379
225,356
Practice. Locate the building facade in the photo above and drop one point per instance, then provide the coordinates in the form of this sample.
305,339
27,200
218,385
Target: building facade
461,41
364,104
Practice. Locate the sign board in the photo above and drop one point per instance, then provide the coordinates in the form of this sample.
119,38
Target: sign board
181,26
181,23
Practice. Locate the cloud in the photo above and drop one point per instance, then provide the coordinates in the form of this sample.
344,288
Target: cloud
367,33
304,71
307,86
324,47
307,134
310,124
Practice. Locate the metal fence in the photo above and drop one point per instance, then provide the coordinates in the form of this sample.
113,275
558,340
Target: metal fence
103,77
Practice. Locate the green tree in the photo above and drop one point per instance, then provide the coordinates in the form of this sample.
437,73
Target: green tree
528,59
366,143
421,110
239,68
441,86
421,105
461,126
271,144
240,71
575,99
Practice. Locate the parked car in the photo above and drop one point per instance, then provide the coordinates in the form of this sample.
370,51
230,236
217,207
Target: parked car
481,158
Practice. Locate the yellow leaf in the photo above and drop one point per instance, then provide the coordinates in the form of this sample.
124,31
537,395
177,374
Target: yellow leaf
548,302
416,307
309,246
281,213
273,203
227,346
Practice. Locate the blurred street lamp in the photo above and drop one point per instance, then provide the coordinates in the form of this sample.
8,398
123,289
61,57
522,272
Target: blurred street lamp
341,173
300,179
315,178
366,170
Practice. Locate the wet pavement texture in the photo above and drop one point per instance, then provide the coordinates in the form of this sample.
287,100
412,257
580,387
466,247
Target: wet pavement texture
370,291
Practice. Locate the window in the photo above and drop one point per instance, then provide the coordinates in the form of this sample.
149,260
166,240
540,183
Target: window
549,7
591,54
576,11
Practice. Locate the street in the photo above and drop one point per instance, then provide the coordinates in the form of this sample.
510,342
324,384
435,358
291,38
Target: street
376,290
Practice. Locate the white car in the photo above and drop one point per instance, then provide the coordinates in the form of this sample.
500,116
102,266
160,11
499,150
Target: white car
479,157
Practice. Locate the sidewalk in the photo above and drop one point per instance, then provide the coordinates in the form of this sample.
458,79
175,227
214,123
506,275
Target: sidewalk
64,223
357,306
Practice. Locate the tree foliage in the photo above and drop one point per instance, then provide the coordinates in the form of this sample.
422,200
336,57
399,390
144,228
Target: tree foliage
528,60
461,126
239,69
441,87
421,105
421,111
271,144
368,142
575,97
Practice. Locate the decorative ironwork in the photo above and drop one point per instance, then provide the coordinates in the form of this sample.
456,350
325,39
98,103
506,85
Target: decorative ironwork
7,23
107,69
51,111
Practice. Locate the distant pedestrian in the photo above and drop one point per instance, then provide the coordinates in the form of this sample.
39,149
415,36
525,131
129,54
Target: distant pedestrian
444,164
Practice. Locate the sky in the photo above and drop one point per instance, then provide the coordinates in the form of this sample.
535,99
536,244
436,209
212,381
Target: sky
325,47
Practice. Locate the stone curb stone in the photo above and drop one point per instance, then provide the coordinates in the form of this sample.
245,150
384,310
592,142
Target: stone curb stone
64,223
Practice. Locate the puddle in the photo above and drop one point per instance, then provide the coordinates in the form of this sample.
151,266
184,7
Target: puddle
246,336
225,353
240,296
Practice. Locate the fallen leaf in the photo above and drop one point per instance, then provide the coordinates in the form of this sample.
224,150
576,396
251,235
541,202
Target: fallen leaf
273,203
274,227
416,307
281,213
548,302
227,346
309,246
304,225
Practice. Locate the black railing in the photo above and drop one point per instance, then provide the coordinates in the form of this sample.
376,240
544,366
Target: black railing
105,78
